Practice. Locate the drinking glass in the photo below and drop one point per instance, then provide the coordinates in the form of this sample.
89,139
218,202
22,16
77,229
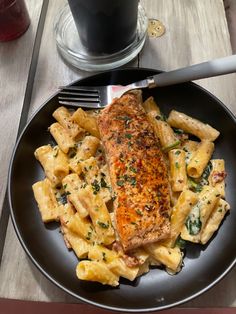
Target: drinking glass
14,19
105,26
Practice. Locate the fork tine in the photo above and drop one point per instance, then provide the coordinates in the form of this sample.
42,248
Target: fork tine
78,93
82,96
81,99
92,89
92,105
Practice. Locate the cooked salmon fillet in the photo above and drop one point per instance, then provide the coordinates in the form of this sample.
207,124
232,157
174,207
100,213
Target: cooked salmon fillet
138,172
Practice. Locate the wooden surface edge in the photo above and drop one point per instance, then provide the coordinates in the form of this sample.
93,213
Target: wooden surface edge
9,306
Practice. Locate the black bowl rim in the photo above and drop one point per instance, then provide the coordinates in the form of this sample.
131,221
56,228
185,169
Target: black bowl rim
47,275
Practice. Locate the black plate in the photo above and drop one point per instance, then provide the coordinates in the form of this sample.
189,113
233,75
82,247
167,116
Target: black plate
203,267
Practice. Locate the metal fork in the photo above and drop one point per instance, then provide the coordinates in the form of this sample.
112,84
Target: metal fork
100,96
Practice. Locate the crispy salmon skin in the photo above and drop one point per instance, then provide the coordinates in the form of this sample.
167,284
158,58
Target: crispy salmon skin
138,172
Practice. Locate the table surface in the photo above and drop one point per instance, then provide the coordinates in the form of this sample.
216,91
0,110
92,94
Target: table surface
31,70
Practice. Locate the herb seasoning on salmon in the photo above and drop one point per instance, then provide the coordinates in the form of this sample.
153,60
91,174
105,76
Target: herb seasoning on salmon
138,172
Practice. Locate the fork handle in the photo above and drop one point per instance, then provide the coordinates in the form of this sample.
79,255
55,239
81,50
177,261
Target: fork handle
212,68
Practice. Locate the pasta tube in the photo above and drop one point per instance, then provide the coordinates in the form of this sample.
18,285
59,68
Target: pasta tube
217,175
72,184
82,227
97,176
87,149
79,245
61,167
63,116
193,126
96,271
99,214
151,107
170,257
178,175
54,163
180,212
46,200
200,159
197,218
214,220
62,137
165,134
87,122
119,268
115,263
189,147
66,212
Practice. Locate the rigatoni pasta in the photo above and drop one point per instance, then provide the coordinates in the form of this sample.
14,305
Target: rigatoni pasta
63,116
87,122
151,107
178,174
99,214
170,257
165,134
193,126
86,150
217,175
199,214
96,271
80,246
186,201
46,200
54,163
200,159
71,184
213,223
62,137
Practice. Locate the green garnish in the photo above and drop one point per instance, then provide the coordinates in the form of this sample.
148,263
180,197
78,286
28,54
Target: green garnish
180,243
177,165
128,135
133,169
194,186
104,256
62,199
56,153
103,183
177,152
95,186
198,186
171,146
89,235
120,182
178,131
138,211
161,117
133,181
193,222
207,171
103,225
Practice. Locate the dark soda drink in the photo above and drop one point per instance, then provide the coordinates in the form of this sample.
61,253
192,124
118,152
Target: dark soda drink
105,26
14,19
